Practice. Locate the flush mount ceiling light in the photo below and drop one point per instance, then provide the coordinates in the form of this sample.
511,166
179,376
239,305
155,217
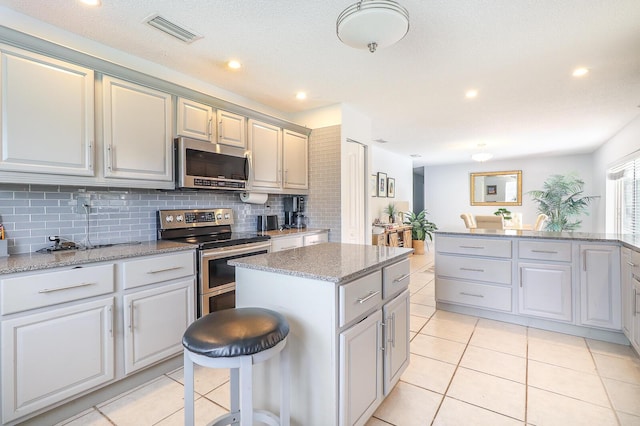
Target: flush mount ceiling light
470,94
301,96
369,24
481,156
234,65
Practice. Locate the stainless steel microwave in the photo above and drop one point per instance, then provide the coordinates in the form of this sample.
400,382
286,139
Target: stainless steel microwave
205,165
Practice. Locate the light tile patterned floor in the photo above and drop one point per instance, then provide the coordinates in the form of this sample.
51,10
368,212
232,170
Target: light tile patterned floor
463,371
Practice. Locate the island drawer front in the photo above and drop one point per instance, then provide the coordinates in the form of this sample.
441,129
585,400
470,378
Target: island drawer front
473,294
474,246
395,278
30,291
547,250
286,243
155,269
359,296
315,239
472,268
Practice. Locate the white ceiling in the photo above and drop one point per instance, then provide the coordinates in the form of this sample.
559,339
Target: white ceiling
519,54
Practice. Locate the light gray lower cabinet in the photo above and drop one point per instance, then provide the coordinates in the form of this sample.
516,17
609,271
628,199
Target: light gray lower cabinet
545,291
628,296
600,302
396,339
60,329
635,340
155,321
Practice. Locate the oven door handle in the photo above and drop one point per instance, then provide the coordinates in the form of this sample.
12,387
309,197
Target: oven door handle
230,251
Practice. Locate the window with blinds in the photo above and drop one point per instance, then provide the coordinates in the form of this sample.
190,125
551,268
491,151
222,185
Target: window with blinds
624,203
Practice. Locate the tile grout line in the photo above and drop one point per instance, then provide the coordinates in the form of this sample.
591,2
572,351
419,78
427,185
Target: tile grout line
526,380
606,390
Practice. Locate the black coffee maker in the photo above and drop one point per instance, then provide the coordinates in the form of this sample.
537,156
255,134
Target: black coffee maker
294,212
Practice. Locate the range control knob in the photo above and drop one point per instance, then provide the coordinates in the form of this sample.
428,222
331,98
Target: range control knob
169,218
219,216
179,218
227,216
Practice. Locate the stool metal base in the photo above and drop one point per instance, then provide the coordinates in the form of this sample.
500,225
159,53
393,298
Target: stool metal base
241,384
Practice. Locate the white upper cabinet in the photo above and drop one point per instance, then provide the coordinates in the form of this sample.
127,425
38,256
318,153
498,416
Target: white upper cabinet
46,114
295,159
231,129
265,144
137,131
194,120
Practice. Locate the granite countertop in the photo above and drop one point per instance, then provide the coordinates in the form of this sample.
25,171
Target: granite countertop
334,262
37,261
294,231
631,241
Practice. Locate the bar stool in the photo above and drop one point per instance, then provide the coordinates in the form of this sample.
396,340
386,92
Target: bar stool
237,339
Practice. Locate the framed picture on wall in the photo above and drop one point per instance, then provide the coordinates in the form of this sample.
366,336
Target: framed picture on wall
391,187
492,189
382,184
373,185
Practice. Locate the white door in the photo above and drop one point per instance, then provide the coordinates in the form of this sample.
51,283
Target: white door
600,286
635,331
545,291
46,114
360,371
155,321
628,299
396,354
54,355
265,144
194,120
295,159
231,129
353,193
137,131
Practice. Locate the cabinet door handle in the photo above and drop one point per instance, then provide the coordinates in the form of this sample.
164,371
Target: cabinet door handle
544,251
393,330
472,269
131,316
382,337
110,319
369,296
157,271
472,247
471,294
633,265
109,157
69,287
401,278
220,130
210,127
286,176
90,154
635,305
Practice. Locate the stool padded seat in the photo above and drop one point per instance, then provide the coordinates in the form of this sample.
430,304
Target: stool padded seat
235,332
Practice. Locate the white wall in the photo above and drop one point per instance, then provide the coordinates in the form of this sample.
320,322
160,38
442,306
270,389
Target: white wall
400,168
625,142
447,187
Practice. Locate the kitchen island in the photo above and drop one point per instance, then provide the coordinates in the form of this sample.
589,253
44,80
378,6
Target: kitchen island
348,308
571,282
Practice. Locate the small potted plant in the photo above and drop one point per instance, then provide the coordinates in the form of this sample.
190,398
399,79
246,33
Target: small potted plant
421,228
391,211
506,215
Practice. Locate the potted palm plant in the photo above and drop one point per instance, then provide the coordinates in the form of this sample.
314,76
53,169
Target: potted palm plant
421,228
561,200
391,211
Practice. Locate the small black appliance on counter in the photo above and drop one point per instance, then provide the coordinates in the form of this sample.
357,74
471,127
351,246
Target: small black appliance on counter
267,222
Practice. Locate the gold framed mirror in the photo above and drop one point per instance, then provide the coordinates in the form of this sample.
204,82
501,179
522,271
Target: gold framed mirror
496,188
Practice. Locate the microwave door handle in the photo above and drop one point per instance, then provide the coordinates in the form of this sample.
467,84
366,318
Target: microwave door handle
248,166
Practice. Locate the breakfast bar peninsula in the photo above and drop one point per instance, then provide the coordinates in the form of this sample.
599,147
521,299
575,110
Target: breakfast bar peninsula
348,308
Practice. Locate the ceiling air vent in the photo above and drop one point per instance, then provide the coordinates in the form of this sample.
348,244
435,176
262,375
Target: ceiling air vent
172,29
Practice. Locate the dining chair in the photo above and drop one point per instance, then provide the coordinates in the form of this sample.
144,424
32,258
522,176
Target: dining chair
541,221
490,222
469,222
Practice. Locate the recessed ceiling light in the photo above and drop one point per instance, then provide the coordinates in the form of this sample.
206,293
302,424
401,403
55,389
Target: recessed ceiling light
301,95
471,93
381,141
92,2
234,65
580,72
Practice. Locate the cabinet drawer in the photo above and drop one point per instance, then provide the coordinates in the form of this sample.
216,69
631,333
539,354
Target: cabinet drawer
473,294
474,246
315,239
473,268
395,278
155,269
359,296
279,244
30,291
538,250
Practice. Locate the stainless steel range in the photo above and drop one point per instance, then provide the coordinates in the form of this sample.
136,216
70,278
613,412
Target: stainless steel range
210,229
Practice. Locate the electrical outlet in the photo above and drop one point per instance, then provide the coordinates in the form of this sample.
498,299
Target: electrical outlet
82,201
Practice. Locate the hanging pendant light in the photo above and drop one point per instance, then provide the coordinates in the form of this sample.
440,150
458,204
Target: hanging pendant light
370,24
